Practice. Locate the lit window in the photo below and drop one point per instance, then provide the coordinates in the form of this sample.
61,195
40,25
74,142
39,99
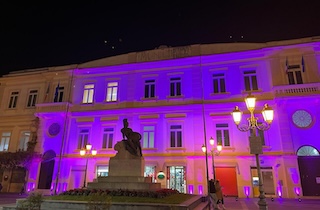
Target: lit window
149,89
175,86
175,136
222,134
102,170
112,91
13,100
150,171
148,136
5,139
24,139
250,80
107,139
88,94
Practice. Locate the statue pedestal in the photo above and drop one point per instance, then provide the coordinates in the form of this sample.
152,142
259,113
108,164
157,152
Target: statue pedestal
126,167
125,172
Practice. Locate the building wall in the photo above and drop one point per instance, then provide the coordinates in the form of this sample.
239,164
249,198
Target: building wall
199,110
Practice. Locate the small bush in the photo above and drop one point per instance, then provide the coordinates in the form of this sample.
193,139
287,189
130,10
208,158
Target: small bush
130,193
32,202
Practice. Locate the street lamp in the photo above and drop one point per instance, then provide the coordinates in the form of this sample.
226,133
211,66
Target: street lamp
213,151
87,151
255,141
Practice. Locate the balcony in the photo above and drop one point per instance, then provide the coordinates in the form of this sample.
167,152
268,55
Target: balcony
52,107
297,90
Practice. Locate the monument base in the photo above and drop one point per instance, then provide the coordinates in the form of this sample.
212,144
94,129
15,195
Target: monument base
126,171
126,167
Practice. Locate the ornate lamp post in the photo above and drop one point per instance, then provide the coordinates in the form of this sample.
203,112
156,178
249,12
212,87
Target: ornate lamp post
255,141
213,151
87,151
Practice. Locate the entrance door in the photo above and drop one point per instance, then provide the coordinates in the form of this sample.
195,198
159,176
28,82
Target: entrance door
267,178
176,178
46,170
228,179
309,167
268,184
76,179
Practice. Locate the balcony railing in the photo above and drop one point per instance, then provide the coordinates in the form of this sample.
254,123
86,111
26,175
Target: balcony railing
52,107
296,90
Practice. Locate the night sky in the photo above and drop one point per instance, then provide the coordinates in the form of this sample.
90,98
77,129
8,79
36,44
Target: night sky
53,33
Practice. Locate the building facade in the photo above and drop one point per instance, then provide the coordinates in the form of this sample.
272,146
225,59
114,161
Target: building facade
176,98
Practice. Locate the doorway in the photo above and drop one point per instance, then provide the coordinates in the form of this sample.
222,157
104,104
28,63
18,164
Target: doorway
176,178
309,167
267,178
46,170
228,179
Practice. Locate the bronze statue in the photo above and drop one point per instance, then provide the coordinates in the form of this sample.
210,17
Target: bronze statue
131,139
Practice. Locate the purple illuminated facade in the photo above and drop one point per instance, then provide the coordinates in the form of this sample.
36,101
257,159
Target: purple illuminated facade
177,98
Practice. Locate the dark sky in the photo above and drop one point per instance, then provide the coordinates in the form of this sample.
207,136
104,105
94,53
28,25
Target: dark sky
50,33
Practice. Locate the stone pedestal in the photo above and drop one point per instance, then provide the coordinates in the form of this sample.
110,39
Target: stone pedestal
126,167
125,172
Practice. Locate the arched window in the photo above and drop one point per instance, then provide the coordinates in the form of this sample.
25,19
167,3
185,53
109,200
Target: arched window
307,151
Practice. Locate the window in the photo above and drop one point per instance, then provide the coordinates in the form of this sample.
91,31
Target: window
102,171
219,84
59,96
175,136
149,89
259,133
150,171
250,80
112,91
88,94
107,139
24,139
13,100
5,139
83,138
175,86
222,134
32,98
294,75
148,136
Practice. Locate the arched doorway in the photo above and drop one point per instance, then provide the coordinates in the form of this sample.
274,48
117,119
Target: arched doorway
309,167
46,170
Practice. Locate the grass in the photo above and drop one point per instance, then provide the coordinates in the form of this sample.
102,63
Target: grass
172,199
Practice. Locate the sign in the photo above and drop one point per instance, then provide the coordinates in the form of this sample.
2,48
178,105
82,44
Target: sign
161,175
255,145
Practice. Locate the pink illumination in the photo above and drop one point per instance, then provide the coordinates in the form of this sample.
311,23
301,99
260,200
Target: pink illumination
200,188
190,189
246,190
29,186
279,191
65,185
297,190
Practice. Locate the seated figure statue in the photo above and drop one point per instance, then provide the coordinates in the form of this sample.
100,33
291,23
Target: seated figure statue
131,139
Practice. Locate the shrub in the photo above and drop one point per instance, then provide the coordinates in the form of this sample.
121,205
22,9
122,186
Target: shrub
120,192
32,202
